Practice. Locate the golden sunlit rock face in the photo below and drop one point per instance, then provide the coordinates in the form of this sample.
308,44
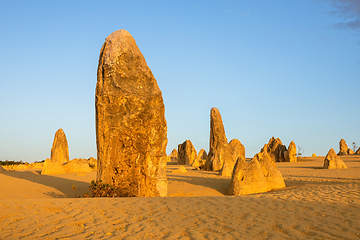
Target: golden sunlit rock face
131,129
200,160
237,151
247,178
333,161
59,155
258,175
290,154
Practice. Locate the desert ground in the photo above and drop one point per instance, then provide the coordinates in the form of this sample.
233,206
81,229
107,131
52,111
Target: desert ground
316,204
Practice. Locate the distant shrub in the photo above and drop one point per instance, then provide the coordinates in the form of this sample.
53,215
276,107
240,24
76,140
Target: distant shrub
100,189
42,161
8,162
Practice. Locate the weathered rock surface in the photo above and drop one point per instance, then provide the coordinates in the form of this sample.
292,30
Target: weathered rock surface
219,151
344,149
275,149
187,153
2,169
200,160
237,151
290,154
313,155
59,155
247,178
273,176
333,161
131,128
174,155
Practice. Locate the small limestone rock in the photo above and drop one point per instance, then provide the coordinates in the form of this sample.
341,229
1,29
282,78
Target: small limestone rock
200,160
258,175
131,130
344,149
247,178
187,153
333,161
59,155
219,148
181,169
290,154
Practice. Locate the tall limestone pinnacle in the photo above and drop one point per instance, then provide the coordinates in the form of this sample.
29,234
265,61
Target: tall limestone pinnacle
60,148
59,155
219,150
131,130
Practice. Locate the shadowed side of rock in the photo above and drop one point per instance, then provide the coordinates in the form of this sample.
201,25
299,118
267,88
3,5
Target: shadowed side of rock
186,153
131,130
275,149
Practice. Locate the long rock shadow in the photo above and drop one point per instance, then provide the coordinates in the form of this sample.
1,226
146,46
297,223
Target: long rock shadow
218,184
322,179
61,184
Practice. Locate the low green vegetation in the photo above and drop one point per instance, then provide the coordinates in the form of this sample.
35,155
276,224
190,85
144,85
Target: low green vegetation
100,189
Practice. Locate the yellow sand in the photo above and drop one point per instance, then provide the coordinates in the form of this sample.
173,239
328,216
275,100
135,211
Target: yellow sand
317,204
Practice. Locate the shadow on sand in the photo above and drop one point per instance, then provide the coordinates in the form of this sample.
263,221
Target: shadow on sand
64,185
213,181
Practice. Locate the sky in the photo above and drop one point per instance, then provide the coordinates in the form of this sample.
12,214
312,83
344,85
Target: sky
288,69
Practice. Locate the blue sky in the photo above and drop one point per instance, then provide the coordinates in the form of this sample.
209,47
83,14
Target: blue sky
289,69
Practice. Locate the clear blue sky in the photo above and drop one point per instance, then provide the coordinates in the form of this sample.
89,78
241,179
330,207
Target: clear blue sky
289,69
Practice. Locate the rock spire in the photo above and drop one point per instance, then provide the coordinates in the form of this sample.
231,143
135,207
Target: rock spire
59,155
219,148
131,130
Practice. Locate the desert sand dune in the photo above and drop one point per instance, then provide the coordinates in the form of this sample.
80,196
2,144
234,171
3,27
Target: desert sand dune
316,204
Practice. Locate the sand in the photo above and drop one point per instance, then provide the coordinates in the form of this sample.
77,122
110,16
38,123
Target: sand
316,204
